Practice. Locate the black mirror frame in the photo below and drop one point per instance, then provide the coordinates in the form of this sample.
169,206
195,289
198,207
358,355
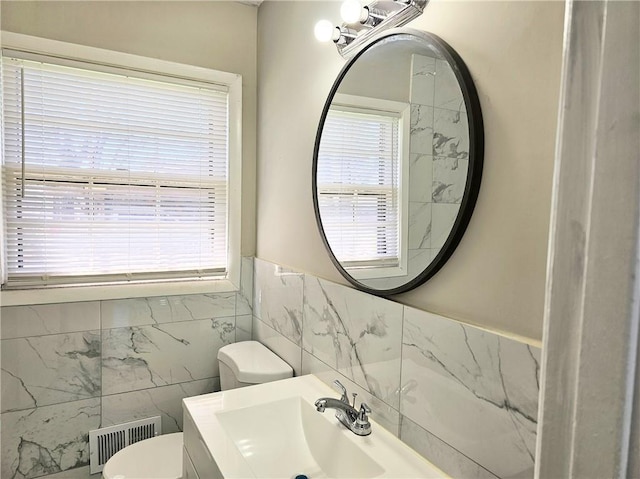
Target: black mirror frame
474,174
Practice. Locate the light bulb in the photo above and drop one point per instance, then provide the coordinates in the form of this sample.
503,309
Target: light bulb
324,31
351,11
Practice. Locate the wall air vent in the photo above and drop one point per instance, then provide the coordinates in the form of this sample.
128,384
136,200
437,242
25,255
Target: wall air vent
105,442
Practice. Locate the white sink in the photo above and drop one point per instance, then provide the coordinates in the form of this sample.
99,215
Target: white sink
314,446
273,431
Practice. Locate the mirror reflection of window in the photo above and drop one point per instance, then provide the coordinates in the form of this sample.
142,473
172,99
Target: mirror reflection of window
360,185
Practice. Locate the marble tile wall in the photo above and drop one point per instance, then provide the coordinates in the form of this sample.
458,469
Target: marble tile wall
439,154
464,398
69,368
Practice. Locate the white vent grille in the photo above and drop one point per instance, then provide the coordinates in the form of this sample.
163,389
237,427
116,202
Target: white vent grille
105,442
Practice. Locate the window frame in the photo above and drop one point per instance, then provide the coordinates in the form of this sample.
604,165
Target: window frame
105,59
402,111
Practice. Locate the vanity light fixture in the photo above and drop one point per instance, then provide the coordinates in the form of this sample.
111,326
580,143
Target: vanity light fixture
362,22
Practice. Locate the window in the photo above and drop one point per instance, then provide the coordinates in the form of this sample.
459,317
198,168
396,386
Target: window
360,185
112,175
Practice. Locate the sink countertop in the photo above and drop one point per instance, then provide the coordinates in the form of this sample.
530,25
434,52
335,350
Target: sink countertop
236,458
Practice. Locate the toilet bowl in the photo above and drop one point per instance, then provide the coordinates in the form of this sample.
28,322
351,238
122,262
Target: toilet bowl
241,364
163,453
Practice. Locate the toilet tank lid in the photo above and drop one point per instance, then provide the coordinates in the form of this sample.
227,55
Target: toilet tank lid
253,363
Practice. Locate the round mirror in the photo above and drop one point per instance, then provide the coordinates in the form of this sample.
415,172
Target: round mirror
397,161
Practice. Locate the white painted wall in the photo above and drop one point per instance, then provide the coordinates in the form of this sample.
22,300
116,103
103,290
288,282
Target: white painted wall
496,277
213,34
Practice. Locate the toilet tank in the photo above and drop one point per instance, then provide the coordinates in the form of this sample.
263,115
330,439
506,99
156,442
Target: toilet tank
249,362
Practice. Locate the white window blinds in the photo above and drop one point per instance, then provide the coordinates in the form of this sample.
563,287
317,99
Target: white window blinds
109,177
358,187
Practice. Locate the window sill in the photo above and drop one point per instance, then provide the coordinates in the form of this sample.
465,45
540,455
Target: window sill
73,294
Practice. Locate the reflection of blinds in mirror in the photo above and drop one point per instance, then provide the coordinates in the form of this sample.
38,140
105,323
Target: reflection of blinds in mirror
358,186
124,178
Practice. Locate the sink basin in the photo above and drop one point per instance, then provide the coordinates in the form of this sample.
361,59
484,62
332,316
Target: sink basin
273,431
314,447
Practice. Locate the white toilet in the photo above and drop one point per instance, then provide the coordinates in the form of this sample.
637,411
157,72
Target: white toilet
241,364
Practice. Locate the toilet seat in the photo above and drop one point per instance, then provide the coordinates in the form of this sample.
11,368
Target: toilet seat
159,457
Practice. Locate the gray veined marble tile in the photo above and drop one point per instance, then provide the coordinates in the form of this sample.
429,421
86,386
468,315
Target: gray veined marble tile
420,177
450,134
133,312
447,89
420,225
49,439
164,401
423,75
418,260
83,472
278,299
45,370
421,133
282,346
244,298
473,389
209,306
166,309
43,319
449,179
443,216
439,453
158,355
244,327
355,333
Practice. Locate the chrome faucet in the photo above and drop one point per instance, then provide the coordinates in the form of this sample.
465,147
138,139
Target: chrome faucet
355,420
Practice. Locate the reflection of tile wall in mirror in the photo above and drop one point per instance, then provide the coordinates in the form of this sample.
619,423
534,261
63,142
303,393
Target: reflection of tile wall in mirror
420,177
419,225
443,215
447,89
450,134
417,259
421,133
439,157
449,177
423,69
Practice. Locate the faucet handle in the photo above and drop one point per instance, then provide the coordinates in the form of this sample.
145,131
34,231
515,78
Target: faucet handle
364,410
343,390
362,426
